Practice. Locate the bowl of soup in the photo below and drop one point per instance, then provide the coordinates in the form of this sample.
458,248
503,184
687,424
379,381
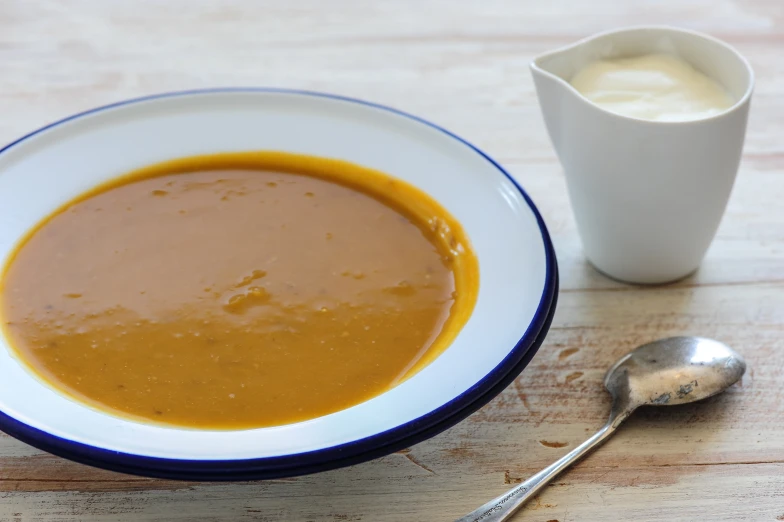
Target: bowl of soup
254,283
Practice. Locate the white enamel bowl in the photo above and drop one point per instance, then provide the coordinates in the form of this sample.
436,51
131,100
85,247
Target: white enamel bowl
518,275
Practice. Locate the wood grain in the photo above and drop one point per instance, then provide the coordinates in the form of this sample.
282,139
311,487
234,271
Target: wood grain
462,64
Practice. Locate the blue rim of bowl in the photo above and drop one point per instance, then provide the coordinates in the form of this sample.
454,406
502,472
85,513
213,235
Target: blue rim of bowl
355,452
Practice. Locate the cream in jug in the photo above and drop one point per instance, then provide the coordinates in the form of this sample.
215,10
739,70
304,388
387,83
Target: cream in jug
657,86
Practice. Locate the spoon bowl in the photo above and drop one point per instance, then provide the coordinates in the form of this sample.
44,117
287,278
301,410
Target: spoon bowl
676,370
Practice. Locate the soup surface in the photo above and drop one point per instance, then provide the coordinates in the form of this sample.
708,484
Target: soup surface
238,290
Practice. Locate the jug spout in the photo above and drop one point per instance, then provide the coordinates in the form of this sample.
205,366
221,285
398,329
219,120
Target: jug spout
551,79
560,103
560,64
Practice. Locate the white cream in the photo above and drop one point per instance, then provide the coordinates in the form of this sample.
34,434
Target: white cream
657,87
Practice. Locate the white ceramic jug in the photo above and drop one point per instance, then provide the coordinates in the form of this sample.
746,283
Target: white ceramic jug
648,196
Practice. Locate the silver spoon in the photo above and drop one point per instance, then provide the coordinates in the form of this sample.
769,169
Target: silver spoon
666,372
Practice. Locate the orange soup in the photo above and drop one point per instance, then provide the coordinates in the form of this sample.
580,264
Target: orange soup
238,290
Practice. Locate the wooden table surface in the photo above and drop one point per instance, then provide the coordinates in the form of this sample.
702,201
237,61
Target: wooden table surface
462,64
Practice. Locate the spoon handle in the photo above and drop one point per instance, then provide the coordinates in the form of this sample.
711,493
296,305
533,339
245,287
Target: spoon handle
503,507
